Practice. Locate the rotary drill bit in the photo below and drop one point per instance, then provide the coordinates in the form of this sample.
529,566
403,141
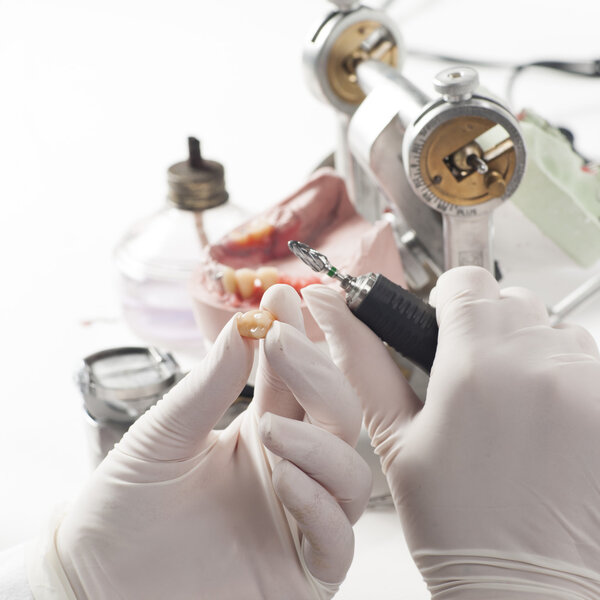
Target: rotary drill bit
397,316
319,262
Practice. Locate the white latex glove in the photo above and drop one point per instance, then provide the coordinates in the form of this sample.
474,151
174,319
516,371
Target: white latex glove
178,510
497,477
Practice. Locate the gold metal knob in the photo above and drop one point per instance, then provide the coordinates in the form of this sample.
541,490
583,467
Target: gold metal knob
495,184
361,41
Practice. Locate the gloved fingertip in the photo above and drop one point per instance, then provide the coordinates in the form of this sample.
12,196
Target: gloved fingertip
273,432
319,290
231,338
228,336
280,292
473,281
265,428
284,302
282,341
322,301
177,426
285,481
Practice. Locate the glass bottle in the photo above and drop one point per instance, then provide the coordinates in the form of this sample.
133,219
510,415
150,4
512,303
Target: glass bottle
157,255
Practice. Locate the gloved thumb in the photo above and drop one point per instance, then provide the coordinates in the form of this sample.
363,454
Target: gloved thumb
178,426
388,402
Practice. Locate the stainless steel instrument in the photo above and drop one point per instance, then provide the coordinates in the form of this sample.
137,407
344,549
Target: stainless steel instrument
439,167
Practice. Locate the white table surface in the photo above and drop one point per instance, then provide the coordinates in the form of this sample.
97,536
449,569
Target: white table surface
97,100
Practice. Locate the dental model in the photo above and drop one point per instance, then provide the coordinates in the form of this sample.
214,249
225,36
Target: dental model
255,323
249,259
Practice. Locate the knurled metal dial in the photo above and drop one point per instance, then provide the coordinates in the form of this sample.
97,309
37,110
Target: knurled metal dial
342,40
346,51
439,144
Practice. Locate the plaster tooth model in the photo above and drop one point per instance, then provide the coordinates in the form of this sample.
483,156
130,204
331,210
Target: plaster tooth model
244,263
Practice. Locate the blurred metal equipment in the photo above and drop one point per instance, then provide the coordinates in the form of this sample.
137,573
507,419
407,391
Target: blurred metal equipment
578,296
464,155
439,167
118,385
341,38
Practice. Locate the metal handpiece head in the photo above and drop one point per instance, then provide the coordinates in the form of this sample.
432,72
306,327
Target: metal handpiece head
318,262
315,260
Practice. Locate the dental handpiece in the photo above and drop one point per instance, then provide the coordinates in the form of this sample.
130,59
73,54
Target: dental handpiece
397,316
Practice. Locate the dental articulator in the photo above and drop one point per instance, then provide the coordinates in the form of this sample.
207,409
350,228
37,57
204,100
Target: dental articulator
436,168
440,166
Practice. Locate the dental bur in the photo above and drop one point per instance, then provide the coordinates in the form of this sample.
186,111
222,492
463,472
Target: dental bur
397,316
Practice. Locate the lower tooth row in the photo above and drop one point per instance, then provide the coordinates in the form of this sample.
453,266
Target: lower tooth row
242,281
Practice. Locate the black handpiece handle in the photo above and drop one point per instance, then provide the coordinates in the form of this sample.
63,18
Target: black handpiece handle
402,320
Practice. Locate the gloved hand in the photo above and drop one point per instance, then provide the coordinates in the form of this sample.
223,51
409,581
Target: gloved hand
178,510
497,477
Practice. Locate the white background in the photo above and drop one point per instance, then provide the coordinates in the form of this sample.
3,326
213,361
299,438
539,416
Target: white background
97,99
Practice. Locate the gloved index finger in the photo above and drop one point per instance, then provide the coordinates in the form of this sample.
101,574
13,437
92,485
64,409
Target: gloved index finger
178,425
317,384
457,288
463,283
467,303
271,394
388,401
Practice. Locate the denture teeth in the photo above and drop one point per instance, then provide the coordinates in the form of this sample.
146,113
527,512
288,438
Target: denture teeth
254,231
268,276
259,228
239,237
244,279
228,280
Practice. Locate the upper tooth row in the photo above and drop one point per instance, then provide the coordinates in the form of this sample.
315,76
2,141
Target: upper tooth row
256,230
242,281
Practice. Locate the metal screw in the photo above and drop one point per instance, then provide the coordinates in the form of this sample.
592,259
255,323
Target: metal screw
456,84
